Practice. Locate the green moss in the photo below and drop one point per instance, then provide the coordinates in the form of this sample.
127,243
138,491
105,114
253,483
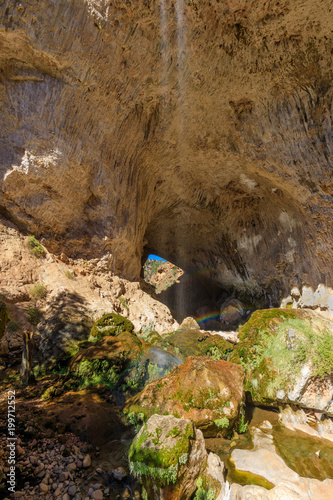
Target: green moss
97,372
48,394
222,422
35,247
274,346
111,324
243,478
203,494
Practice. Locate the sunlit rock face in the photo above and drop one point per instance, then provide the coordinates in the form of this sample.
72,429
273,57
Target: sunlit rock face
199,131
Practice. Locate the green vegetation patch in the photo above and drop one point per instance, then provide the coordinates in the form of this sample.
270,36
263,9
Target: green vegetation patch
38,291
110,324
222,422
97,372
274,346
35,247
202,493
34,315
159,462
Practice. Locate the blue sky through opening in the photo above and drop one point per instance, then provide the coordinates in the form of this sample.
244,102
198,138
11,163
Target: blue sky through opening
155,257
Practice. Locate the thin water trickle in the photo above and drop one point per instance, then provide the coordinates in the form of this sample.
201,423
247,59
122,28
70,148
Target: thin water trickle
164,43
227,491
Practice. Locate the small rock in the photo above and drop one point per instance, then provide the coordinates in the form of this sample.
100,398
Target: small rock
43,487
86,462
119,473
71,467
97,495
266,425
19,450
72,490
39,469
65,497
126,494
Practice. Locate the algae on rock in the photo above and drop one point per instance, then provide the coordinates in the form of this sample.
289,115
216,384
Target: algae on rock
110,324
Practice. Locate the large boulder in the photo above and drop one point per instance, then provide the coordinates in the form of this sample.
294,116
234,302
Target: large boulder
193,342
288,358
110,324
204,390
169,456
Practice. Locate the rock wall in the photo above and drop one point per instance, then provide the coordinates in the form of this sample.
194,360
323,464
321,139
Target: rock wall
200,131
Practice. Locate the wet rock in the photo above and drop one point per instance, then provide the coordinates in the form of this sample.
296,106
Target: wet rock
264,461
167,454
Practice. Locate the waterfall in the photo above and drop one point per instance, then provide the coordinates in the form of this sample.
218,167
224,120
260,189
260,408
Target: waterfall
164,42
227,491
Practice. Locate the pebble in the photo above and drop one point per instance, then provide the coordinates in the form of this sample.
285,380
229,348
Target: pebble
44,487
119,473
39,469
97,495
60,469
86,462
72,490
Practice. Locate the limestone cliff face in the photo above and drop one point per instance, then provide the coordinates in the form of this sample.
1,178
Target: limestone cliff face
198,130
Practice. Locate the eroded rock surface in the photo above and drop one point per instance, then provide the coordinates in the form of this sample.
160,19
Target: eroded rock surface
60,299
206,391
201,132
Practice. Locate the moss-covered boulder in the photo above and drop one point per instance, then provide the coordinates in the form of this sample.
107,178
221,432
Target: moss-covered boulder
184,343
110,324
204,390
167,455
105,361
288,357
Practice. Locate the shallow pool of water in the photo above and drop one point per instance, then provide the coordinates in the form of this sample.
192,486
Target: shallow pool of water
298,450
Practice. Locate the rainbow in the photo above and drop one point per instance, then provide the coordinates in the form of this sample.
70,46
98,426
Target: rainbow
217,315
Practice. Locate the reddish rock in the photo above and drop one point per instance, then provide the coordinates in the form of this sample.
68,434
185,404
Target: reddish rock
206,391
